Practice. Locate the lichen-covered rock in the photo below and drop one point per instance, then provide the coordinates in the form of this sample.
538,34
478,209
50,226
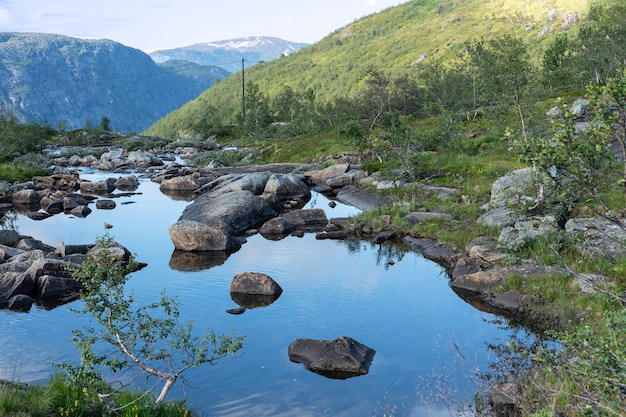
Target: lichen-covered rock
601,236
526,231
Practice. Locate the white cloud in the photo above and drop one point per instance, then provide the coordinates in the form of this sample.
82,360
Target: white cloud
5,16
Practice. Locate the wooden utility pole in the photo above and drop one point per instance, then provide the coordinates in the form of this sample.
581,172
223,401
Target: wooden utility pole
243,92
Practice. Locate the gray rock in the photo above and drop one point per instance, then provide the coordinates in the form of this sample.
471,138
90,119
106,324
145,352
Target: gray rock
81,211
191,235
128,183
469,265
341,180
27,256
38,215
53,207
510,301
13,283
254,283
9,237
600,236
115,251
554,112
579,107
10,251
233,211
105,204
420,216
254,182
111,155
444,193
29,244
515,187
184,183
526,231
319,176
99,187
25,197
483,282
593,283
21,302
143,158
384,236
53,286
277,226
499,217
50,266
307,219
434,250
287,187
341,358
360,198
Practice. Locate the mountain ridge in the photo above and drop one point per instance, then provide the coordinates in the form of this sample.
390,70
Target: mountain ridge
59,80
227,54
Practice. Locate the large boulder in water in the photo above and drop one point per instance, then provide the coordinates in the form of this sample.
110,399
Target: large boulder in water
211,222
191,235
341,358
232,204
253,289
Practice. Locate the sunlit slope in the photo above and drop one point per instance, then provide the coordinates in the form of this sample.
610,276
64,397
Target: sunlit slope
394,41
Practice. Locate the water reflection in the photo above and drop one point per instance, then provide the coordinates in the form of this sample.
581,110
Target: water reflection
197,261
178,195
253,300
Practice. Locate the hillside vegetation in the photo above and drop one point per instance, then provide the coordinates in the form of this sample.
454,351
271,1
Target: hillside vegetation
394,42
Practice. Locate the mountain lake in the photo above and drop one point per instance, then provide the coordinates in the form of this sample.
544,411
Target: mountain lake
404,310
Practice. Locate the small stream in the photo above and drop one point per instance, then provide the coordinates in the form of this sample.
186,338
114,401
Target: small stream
404,309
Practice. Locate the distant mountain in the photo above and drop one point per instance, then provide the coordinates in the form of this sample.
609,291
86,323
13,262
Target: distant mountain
47,78
227,54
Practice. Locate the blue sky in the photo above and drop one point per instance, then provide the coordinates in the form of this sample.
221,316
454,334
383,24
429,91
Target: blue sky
161,24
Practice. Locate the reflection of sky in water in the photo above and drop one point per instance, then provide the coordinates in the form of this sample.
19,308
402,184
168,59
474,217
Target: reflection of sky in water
406,312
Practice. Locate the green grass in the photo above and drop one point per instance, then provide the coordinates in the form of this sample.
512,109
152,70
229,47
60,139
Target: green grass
305,149
60,398
19,173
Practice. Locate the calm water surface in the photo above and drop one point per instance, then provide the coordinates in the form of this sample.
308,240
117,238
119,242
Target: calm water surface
405,311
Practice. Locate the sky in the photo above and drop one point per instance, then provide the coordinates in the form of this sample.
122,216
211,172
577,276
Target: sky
164,24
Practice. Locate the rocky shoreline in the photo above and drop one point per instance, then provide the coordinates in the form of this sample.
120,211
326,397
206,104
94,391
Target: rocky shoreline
226,204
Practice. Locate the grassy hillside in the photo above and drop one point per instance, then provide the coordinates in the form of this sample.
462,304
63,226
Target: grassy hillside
394,42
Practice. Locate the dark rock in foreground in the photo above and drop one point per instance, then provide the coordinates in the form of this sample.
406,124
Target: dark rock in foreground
341,358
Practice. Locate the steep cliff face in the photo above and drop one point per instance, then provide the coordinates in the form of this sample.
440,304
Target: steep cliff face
56,79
